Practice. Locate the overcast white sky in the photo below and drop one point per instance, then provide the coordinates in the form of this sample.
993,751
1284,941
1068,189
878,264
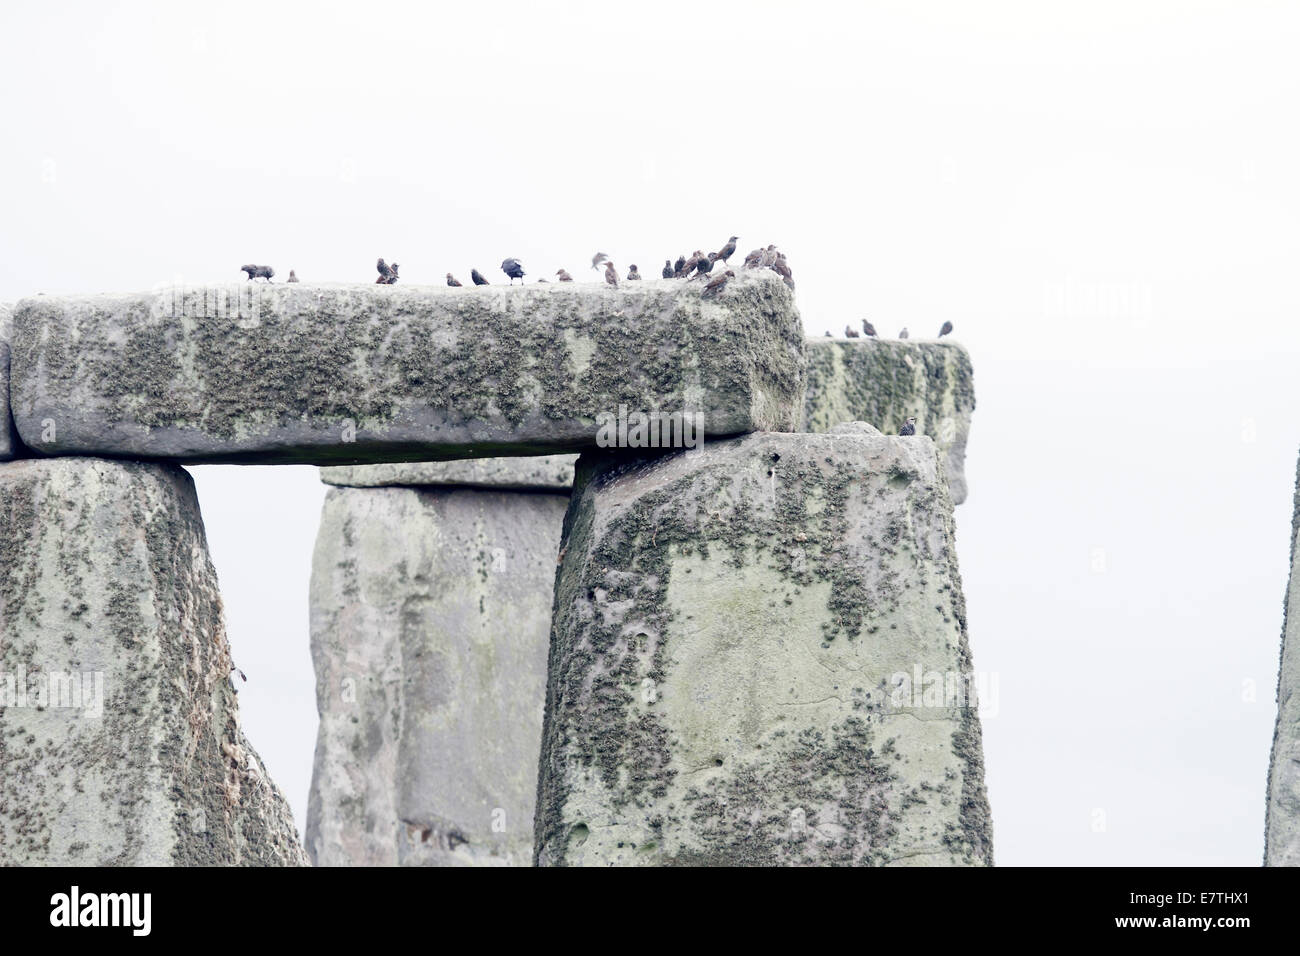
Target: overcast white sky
1100,196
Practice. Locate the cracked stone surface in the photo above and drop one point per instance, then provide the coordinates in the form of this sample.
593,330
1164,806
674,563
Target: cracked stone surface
756,656
109,608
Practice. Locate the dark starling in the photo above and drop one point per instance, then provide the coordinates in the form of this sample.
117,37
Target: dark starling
868,328
903,334
909,427
258,272
679,266
564,275
513,269
453,281
714,287
782,268
692,261
384,270
668,269
477,277
727,251
633,275
704,266
611,275
944,330
293,276
827,334
851,333
597,259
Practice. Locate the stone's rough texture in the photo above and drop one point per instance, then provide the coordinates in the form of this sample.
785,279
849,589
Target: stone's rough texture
544,473
728,626
430,611
8,436
365,374
1282,814
883,381
109,600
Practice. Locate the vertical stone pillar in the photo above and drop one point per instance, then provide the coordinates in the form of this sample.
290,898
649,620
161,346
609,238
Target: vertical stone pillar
1282,814
759,656
119,729
431,600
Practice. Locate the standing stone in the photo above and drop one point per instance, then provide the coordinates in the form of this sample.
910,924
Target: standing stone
430,615
119,727
1282,814
363,374
8,434
741,640
884,381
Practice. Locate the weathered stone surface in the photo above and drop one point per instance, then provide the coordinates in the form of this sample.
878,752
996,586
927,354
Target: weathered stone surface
883,381
729,627
1282,814
8,435
364,374
108,599
543,473
430,613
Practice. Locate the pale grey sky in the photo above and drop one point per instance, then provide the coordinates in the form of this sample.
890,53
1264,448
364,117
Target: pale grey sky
1101,197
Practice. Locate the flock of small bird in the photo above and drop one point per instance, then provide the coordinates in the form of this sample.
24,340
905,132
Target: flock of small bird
869,331
698,265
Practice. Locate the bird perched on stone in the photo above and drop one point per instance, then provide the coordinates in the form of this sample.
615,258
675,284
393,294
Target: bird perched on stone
597,259
868,328
385,270
453,281
828,334
611,274
513,269
477,277
782,268
713,288
564,275
903,334
704,266
909,427
258,272
727,251
769,257
691,262
668,269
633,275
753,259
293,276
679,266
851,333
392,273
943,330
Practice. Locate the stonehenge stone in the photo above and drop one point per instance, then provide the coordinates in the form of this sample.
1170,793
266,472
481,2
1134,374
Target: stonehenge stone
430,617
735,636
883,381
352,374
8,435
119,725
543,473
1282,814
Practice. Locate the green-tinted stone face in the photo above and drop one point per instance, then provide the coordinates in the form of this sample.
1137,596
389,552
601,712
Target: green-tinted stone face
728,627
